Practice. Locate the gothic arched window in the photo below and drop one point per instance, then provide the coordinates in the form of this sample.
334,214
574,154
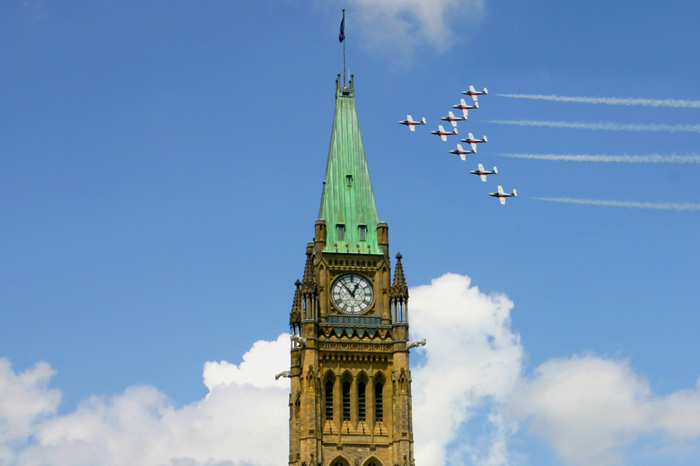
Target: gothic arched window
329,399
361,397
346,400
378,402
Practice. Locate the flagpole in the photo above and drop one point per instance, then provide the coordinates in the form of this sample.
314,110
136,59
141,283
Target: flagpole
344,47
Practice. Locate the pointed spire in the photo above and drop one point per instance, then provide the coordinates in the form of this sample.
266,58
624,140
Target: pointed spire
399,289
308,283
347,202
295,314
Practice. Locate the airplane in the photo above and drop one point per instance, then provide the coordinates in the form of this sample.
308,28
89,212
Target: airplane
461,152
503,195
482,173
453,119
473,92
462,105
442,133
473,141
410,123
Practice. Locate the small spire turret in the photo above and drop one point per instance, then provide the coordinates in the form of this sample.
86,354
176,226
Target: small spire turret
399,294
295,314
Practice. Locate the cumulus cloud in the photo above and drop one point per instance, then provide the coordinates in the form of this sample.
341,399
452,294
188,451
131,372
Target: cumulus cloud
241,421
592,410
264,358
470,402
472,362
25,400
399,26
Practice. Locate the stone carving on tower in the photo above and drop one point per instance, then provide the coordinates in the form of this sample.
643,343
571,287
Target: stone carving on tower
350,401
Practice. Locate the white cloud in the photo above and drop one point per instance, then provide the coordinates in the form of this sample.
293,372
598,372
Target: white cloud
468,392
24,401
263,359
473,360
399,26
243,420
592,410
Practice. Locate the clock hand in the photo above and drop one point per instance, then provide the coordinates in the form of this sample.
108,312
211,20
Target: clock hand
346,287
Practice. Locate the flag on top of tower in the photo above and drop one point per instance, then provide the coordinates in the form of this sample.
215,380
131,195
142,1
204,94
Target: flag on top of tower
341,35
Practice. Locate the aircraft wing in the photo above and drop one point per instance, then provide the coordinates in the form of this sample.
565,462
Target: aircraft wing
443,137
503,200
483,177
473,144
500,191
463,157
412,127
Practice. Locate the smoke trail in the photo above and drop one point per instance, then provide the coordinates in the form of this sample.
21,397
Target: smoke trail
626,204
603,126
676,103
656,158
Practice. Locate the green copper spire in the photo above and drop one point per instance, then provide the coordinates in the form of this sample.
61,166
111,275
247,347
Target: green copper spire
347,203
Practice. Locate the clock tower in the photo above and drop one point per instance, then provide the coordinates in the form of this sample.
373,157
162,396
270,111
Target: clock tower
350,400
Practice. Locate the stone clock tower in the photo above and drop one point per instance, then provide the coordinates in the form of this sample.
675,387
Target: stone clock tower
350,400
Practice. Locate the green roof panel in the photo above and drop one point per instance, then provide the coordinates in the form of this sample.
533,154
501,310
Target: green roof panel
347,202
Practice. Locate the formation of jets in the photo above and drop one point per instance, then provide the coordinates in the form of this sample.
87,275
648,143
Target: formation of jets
500,194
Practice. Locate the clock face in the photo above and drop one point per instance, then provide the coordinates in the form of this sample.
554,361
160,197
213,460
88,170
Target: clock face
352,294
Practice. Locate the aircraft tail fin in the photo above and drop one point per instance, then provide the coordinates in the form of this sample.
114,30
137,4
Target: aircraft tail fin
486,91
423,120
486,139
495,170
515,192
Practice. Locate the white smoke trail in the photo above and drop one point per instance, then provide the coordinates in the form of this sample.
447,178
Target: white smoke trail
626,204
655,158
603,126
676,103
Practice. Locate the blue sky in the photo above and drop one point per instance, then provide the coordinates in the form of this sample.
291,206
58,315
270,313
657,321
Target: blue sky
160,175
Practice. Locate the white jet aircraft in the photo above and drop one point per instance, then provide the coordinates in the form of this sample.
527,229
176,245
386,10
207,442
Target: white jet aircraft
482,173
472,141
442,133
453,119
410,123
473,92
461,152
465,108
503,195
